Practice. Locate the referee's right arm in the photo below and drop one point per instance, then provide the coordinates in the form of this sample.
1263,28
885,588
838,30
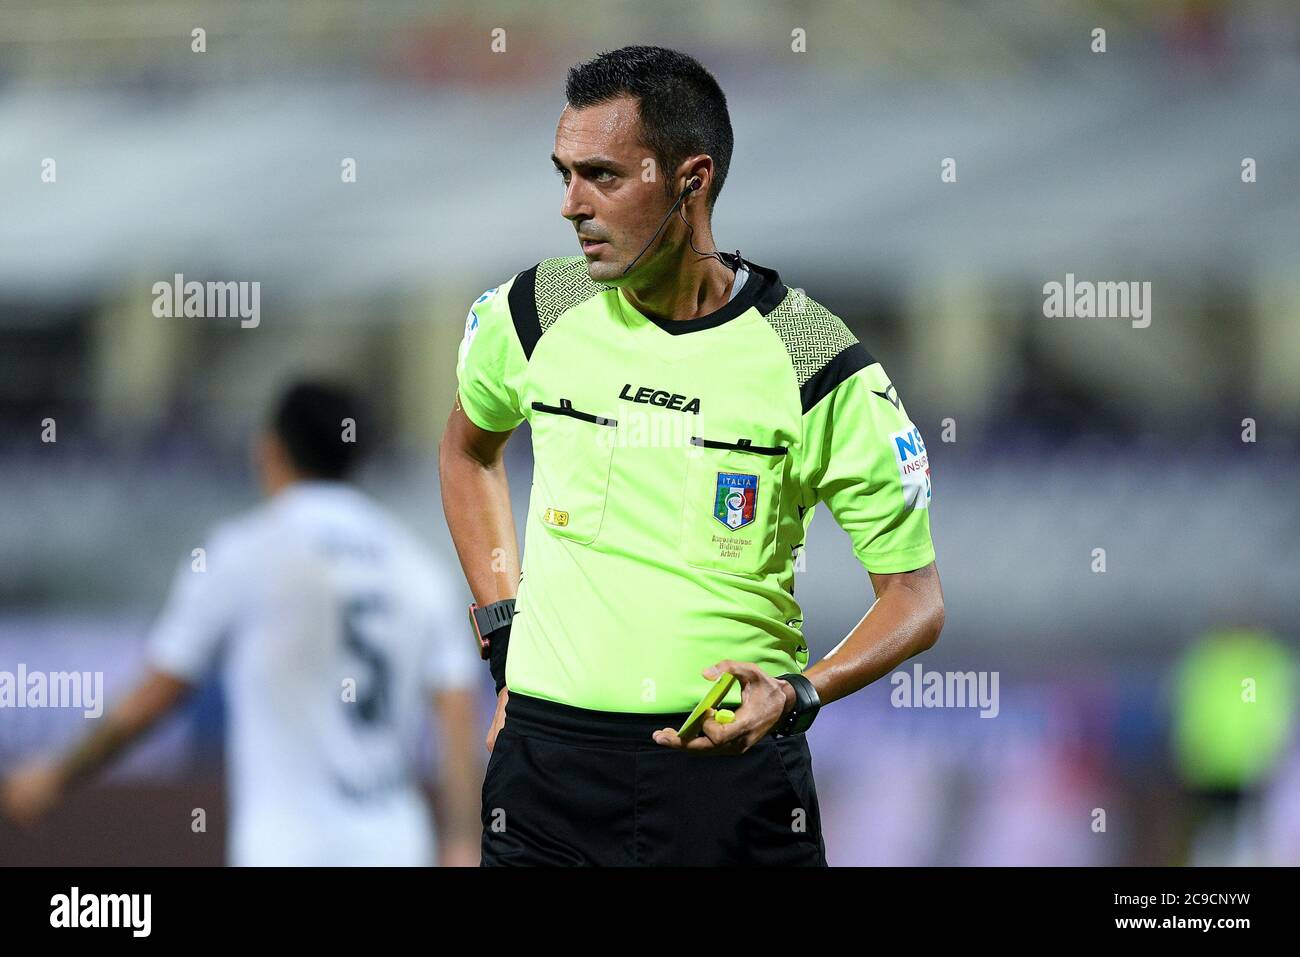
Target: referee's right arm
490,369
476,500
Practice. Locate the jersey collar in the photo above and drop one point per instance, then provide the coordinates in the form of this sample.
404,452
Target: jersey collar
762,291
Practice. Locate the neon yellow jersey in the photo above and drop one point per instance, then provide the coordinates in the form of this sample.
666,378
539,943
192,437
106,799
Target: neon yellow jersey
677,465
1234,707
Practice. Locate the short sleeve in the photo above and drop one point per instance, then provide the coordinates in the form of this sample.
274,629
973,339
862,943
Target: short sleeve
490,363
201,608
867,461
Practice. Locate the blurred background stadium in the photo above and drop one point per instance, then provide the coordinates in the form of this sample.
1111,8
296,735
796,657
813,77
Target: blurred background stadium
1119,689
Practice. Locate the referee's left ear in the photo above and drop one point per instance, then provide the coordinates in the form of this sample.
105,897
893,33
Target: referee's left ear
696,169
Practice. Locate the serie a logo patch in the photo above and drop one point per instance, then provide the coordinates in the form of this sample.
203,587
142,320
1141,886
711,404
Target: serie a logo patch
735,498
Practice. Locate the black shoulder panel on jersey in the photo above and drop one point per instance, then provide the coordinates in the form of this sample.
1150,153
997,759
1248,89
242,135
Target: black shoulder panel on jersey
825,379
547,291
523,310
769,293
822,349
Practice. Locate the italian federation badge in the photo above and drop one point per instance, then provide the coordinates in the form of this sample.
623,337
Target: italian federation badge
735,499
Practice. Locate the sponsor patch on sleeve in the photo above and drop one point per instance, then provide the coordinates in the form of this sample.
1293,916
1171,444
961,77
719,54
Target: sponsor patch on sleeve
471,323
913,466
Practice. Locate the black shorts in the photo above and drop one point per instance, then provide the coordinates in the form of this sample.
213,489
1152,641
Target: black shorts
569,786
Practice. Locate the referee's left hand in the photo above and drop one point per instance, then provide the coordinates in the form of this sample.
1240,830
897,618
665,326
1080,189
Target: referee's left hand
763,702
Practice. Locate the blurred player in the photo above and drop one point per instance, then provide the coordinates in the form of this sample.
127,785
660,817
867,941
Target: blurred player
333,622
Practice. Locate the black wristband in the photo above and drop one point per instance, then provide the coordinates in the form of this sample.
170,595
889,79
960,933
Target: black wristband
491,627
497,655
806,706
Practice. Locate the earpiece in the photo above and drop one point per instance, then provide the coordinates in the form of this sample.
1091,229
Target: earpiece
692,185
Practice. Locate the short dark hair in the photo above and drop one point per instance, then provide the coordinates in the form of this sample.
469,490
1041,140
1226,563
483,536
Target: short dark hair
683,110
309,421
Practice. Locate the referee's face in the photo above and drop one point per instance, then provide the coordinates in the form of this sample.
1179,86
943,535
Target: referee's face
614,194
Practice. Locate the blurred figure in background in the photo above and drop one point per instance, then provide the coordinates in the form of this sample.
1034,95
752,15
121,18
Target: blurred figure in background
333,622
1233,709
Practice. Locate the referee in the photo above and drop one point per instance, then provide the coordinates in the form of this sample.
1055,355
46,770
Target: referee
688,411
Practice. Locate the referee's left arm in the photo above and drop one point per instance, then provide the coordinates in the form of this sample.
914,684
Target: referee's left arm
904,621
866,460
869,464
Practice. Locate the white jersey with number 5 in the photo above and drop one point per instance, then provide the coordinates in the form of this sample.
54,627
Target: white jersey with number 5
334,624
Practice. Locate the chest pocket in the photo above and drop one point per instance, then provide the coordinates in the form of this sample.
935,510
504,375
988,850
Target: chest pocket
573,451
732,504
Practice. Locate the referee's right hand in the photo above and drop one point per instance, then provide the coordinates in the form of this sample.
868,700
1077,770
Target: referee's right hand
498,719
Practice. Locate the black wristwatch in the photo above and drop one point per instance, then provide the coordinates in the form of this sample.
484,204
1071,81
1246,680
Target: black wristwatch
806,706
486,619
491,627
